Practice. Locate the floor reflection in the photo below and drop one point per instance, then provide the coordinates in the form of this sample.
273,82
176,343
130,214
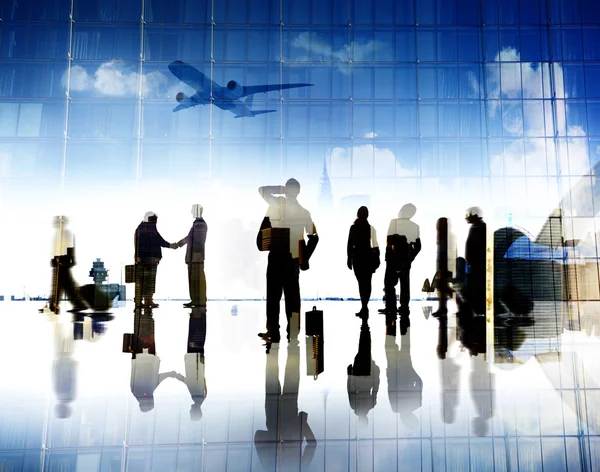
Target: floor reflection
526,399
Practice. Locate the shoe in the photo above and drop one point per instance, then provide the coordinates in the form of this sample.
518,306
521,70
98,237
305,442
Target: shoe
441,313
189,305
266,337
151,304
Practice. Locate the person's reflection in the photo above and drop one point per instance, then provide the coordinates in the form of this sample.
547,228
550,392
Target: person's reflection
472,335
363,377
405,387
194,362
145,364
281,411
64,371
449,374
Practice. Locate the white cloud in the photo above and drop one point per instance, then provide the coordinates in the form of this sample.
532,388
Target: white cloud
371,135
366,161
112,79
322,51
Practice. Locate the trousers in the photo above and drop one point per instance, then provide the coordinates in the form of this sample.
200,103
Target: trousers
391,279
197,282
145,282
283,274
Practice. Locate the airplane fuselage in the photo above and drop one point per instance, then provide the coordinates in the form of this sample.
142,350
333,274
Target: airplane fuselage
227,98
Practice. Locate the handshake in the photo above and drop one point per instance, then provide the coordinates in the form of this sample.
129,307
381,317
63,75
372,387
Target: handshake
174,246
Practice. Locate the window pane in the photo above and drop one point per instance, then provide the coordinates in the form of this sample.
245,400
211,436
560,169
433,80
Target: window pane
406,119
405,44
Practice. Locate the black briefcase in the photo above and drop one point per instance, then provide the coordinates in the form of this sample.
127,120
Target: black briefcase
129,274
314,322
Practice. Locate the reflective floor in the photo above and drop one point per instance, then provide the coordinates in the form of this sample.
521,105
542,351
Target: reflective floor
183,390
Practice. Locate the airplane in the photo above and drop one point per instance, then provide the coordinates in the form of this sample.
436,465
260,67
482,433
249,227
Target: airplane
226,98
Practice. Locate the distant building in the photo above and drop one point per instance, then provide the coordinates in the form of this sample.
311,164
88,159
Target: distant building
325,192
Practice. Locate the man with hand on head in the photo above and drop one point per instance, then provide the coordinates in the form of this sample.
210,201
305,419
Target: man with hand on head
194,258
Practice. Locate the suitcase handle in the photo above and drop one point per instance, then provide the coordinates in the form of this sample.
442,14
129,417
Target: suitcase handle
315,308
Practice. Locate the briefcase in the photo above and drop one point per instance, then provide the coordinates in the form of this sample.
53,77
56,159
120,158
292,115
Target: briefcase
314,322
276,239
129,274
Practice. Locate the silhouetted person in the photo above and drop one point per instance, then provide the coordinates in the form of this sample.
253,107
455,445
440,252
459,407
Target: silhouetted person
194,258
63,259
148,253
405,387
475,254
286,249
472,334
145,364
363,377
363,255
445,264
402,246
194,362
285,424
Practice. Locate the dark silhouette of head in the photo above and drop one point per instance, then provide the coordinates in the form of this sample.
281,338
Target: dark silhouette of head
473,215
150,217
362,213
407,211
292,188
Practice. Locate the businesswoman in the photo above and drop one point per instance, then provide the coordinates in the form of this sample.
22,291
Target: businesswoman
363,256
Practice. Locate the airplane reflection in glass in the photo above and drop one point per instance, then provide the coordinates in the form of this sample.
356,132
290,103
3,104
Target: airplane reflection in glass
226,98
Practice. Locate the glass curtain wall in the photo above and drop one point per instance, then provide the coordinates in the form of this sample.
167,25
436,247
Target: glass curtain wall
445,103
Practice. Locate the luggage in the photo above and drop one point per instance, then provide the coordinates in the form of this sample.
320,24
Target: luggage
314,322
276,240
129,274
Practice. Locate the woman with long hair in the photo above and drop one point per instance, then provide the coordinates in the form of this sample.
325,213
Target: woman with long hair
363,256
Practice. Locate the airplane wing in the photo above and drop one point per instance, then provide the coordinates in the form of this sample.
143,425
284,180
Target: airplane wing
262,112
183,106
252,89
191,76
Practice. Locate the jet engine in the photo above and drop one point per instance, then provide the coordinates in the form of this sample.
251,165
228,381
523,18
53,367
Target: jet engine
234,90
181,97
